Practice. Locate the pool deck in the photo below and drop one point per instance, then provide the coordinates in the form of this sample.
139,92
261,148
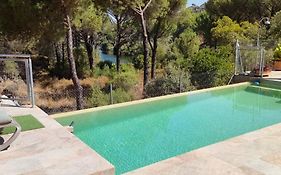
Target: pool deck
50,151
274,75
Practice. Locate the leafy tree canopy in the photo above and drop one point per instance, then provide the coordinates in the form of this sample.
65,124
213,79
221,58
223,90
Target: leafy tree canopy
241,10
226,31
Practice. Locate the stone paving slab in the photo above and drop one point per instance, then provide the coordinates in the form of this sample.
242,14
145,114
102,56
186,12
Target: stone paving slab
50,151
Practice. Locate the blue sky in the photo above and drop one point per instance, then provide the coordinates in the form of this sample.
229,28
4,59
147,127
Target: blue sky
197,2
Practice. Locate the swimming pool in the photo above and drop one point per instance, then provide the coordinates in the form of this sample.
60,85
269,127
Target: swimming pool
135,135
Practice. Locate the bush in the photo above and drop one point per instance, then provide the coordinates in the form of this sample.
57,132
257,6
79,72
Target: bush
212,67
10,70
98,97
106,63
175,80
60,70
82,64
106,71
126,79
277,52
138,62
120,96
123,83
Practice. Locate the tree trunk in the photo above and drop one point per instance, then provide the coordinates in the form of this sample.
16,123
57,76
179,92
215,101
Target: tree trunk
89,49
63,52
117,45
154,47
145,50
75,79
117,54
153,57
58,57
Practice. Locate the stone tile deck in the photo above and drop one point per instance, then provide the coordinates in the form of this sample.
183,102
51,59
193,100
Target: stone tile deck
275,75
254,153
50,150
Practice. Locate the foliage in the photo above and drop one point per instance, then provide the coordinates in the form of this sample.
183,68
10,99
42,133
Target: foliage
122,82
87,17
103,64
175,80
204,24
97,97
19,19
165,52
275,26
138,62
188,43
277,52
126,79
10,69
227,31
59,69
184,20
212,67
81,62
120,96
241,10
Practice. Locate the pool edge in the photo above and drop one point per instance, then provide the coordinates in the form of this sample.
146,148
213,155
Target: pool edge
65,114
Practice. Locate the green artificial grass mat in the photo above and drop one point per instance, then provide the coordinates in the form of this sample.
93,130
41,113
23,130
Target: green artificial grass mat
27,122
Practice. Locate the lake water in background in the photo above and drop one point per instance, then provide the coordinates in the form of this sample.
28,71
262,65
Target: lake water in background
112,58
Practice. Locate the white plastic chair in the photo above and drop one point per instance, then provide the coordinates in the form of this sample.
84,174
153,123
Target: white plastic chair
7,121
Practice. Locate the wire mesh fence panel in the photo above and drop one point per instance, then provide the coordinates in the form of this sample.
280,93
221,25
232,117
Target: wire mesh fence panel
14,83
252,59
248,57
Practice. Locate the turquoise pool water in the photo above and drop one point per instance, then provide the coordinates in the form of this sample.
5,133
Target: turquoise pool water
138,135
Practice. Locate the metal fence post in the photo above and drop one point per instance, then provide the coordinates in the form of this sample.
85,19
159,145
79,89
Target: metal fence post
31,82
111,96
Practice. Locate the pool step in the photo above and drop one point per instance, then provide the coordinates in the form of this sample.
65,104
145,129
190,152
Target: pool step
275,84
268,91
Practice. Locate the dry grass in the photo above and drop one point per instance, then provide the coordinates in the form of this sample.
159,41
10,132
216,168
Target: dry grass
16,87
54,95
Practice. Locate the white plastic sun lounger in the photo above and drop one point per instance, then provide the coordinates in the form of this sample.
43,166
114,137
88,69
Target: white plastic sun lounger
6,121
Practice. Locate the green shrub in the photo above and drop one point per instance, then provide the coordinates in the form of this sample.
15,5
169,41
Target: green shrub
138,62
120,96
175,80
10,70
106,63
82,63
122,82
59,70
98,97
105,71
126,79
277,52
212,67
